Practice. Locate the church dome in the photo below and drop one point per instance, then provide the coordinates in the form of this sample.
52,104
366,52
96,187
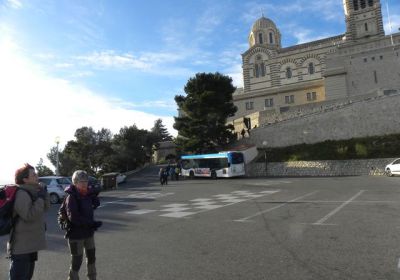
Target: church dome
263,23
264,32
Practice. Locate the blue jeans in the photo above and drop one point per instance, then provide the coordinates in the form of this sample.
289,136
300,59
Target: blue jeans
22,266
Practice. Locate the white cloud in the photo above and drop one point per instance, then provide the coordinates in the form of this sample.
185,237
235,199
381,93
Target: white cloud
305,36
36,108
158,63
15,4
209,20
394,22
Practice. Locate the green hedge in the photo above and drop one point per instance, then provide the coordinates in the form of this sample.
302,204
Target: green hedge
357,148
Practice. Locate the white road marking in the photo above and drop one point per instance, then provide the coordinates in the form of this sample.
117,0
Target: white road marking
178,214
105,203
141,211
175,209
173,205
209,207
201,199
276,207
324,219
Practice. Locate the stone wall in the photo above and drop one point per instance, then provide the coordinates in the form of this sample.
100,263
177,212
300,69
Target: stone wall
371,117
319,168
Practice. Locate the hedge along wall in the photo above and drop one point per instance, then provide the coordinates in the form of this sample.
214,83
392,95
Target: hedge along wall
319,168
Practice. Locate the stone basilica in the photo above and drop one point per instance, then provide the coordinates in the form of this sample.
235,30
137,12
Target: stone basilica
281,82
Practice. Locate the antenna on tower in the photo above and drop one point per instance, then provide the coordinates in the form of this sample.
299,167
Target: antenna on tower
390,22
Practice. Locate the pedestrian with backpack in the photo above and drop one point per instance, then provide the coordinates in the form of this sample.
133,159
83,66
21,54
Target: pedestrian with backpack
27,235
79,205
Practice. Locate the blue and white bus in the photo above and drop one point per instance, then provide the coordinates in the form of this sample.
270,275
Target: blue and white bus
224,164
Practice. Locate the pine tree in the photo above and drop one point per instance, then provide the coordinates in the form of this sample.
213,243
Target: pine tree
204,111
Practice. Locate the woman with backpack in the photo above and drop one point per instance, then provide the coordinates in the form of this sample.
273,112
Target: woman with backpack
79,205
28,233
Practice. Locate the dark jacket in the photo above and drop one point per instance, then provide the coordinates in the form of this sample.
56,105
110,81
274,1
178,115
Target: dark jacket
80,213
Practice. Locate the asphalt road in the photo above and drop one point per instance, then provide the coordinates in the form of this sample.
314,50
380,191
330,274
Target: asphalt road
264,228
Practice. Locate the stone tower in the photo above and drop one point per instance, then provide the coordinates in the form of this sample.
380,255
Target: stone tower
363,19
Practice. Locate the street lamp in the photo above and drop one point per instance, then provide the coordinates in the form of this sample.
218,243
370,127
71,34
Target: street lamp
57,159
265,143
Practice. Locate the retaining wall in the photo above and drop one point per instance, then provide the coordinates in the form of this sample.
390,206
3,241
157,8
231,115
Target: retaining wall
319,168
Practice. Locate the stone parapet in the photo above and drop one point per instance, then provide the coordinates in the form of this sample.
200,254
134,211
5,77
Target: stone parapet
374,167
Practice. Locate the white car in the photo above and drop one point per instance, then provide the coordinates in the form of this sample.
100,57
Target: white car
55,187
393,168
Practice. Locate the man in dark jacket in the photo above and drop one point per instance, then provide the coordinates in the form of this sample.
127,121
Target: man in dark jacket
80,204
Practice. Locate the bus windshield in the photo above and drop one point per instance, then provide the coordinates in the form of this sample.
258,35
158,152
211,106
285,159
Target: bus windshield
236,158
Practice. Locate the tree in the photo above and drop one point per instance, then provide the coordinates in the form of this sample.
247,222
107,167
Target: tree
91,151
204,110
160,132
43,170
130,147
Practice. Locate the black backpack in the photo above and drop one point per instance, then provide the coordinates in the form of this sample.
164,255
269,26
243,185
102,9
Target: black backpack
62,217
8,194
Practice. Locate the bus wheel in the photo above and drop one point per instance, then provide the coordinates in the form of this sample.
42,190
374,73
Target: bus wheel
214,175
191,175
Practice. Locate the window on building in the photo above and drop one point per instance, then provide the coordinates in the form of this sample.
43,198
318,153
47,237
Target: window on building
289,99
375,77
271,38
362,4
373,58
365,60
288,73
260,38
262,67
370,3
381,57
257,71
355,5
249,105
366,26
311,96
269,102
311,68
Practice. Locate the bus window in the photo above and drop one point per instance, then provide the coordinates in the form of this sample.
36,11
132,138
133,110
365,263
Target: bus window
237,158
186,164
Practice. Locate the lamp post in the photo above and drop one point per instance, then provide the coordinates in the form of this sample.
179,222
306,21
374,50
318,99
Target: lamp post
57,159
265,143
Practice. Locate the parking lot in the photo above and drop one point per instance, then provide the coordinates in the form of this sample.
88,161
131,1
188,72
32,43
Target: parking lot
265,228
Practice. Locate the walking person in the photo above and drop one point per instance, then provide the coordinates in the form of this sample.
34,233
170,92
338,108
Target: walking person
80,204
161,175
28,234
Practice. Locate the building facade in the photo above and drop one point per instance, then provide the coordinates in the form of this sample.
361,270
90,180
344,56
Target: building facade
360,62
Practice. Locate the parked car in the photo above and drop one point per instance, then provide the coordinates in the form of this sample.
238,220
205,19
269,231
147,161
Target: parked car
55,187
393,168
121,178
95,184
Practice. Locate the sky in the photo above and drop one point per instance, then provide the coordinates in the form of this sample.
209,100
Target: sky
65,64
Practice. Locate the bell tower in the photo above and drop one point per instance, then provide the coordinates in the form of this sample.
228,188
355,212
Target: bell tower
363,19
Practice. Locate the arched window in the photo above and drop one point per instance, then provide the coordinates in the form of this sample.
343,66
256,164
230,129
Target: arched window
262,66
257,71
311,68
271,38
260,38
355,5
366,26
370,3
362,4
288,73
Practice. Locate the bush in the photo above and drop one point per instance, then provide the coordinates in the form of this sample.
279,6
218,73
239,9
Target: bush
356,148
